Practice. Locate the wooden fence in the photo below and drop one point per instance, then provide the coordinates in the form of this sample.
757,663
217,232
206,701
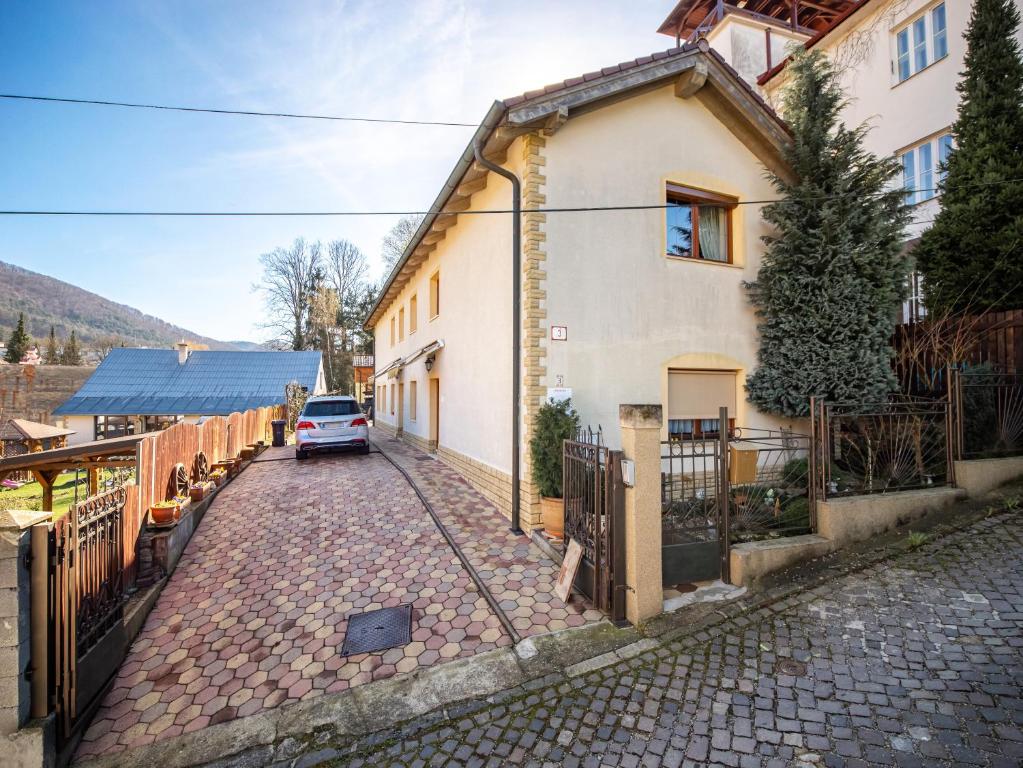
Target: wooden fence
925,350
218,437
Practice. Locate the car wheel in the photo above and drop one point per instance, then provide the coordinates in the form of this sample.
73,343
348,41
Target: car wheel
300,455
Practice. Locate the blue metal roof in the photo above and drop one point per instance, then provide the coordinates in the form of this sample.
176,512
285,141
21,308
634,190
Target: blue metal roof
153,382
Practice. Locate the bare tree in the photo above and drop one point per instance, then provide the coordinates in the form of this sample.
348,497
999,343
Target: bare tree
102,345
345,273
289,279
397,240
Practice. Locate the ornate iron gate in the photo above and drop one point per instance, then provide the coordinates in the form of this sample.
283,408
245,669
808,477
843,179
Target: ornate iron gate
594,499
88,593
694,508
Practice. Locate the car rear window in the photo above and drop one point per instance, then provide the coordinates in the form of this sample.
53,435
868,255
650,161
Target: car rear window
331,408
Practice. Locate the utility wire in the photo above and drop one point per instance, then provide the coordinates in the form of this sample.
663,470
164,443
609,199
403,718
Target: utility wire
481,212
247,113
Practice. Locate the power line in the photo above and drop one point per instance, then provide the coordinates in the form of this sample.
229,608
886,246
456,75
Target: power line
481,212
247,113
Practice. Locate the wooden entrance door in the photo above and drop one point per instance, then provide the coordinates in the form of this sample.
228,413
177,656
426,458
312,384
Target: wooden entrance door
435,412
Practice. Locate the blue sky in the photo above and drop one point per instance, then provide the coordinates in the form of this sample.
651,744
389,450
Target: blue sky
435,60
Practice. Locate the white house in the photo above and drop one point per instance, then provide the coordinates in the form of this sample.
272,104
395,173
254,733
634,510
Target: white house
643,305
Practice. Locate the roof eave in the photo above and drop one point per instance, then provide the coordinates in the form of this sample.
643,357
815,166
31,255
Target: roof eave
482,133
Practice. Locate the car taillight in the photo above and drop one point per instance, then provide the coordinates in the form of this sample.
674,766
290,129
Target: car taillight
360,422
305,425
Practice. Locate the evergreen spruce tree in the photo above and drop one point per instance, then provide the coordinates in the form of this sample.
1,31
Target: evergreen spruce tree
52,355
71,355
833,277
18,343
972,257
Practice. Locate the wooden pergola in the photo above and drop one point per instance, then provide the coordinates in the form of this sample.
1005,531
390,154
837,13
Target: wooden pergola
808,17
45,466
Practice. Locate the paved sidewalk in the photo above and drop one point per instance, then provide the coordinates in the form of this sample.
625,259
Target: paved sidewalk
917,661
519,576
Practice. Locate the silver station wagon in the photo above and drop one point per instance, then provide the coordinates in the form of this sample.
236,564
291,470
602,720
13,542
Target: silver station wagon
328,422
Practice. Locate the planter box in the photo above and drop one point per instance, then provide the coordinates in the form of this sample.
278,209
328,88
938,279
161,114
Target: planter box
248,452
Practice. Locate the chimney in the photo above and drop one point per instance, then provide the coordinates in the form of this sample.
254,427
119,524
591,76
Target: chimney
182,352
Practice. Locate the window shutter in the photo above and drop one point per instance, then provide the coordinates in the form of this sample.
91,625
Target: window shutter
700,394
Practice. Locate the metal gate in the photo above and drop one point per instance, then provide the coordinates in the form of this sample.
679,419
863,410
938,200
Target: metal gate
694,507
732,485
594,499
87,596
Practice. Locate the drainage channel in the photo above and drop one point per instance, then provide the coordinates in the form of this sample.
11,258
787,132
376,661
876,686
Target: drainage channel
473,573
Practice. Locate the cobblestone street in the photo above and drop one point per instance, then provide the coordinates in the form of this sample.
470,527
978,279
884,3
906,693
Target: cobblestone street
916,662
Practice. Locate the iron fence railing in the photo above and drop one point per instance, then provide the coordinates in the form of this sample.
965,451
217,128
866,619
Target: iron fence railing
988,414
898,445
768,484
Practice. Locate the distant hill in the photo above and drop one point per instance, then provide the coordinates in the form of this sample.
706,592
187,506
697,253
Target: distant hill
47,301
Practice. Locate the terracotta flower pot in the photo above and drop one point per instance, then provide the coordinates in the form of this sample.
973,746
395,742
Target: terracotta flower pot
553,511
165,512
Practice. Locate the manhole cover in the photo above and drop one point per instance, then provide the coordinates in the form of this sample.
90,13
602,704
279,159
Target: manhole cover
792,667
424,458
378,630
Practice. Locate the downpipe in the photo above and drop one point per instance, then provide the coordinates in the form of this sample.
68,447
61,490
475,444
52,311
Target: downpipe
516,321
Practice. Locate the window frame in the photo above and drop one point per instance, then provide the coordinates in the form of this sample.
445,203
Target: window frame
413,311
412,400
104,419
925,180
698,432
920,36
434,284
695,197
401,324
392,330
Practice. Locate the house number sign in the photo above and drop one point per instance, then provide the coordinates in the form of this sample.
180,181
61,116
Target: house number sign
559,332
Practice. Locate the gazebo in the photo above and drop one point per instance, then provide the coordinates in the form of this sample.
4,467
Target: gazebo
20,436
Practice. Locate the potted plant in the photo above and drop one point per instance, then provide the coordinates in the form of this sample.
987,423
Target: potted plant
197,491
218,476
165,512
555,422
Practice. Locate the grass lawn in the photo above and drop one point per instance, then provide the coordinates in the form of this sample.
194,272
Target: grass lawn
30,495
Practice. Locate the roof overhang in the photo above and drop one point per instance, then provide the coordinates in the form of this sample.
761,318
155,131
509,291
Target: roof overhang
839,22
690,17
695,70
394,370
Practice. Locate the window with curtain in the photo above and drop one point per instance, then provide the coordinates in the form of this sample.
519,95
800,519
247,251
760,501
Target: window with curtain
694,402
921,42
699,224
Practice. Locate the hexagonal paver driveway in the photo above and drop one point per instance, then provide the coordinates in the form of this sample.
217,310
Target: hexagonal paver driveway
255,614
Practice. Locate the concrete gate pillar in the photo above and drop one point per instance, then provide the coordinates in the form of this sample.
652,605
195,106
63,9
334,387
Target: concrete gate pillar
641,443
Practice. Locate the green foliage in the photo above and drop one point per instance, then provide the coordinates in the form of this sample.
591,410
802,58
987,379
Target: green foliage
833,273
916,539
71,354
554,423
970,258
795,471
18,343
52,354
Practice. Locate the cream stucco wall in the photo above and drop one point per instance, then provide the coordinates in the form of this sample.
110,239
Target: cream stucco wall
742,43
901,114
632,312
474,367
84,427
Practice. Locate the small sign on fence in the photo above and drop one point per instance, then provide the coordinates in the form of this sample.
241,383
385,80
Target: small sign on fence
569,568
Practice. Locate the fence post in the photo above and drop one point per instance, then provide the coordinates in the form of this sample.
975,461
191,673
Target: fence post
641,442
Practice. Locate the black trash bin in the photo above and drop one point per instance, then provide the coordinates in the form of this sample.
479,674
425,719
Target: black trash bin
278,428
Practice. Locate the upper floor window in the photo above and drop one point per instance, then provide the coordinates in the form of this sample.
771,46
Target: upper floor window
401,324
392,330
921,42
413,314
699,224
922,168
434,295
